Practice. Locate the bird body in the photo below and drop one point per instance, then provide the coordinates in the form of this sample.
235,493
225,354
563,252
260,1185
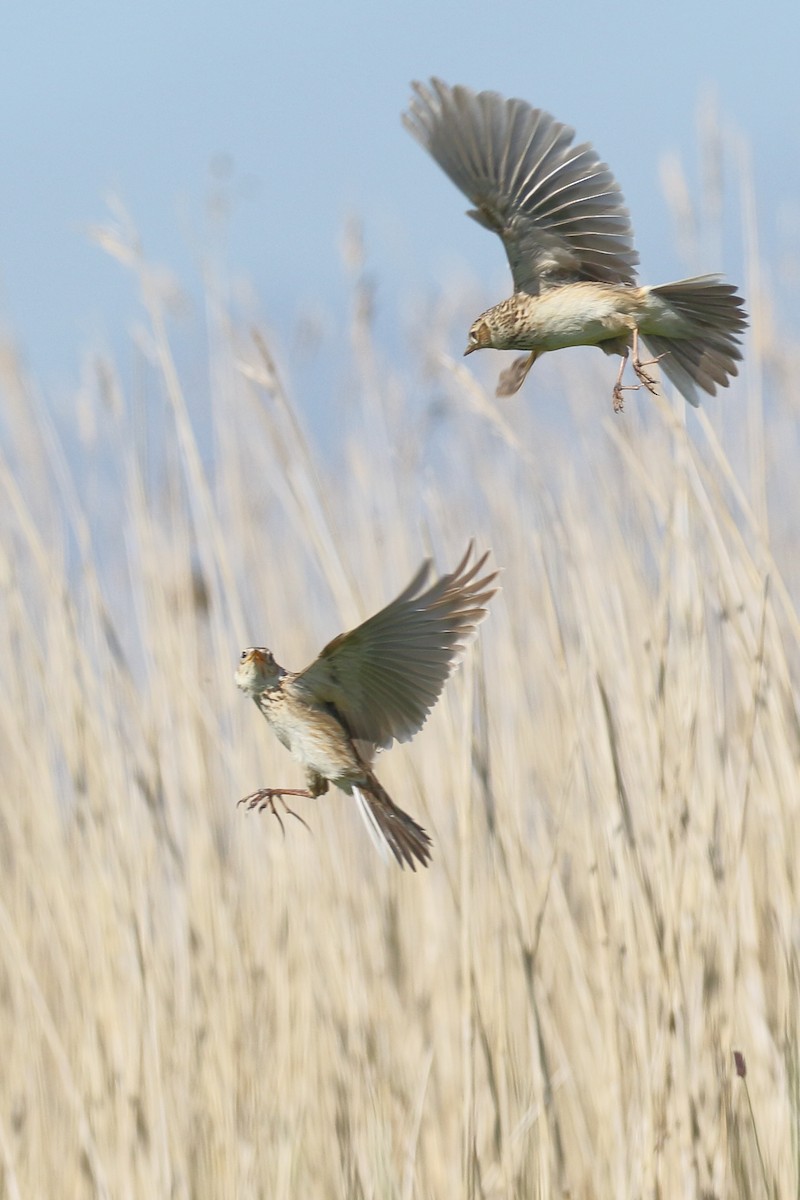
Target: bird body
574,314
567,235
313,735
366,689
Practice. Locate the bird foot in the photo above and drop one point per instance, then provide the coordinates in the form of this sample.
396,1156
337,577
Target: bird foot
266,797
639,368
617,395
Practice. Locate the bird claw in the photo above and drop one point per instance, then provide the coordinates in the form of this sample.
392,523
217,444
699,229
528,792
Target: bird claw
266,797
649,382
617,394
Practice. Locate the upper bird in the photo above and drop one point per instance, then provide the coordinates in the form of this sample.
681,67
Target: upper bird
567,234
367,688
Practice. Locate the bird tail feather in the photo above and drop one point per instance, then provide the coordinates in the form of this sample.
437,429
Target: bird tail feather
389,826
713,315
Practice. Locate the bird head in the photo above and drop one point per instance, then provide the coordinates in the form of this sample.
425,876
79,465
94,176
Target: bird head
257,670
480,335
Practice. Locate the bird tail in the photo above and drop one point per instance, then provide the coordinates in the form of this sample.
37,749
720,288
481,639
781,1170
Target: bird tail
389,826
707,315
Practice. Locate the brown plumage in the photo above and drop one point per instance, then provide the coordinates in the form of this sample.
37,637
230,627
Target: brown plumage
567,235
367,688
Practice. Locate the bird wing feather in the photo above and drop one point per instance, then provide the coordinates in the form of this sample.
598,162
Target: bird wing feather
383,678
556,206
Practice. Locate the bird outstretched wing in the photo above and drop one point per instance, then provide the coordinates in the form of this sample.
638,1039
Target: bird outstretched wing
383,678
556,206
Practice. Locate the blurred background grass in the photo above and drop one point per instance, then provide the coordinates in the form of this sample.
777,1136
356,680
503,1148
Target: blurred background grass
192,1004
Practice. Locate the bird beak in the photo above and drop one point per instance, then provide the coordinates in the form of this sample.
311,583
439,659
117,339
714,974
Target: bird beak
252,656
469,350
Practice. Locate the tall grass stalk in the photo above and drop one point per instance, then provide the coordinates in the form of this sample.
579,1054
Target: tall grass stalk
192,1004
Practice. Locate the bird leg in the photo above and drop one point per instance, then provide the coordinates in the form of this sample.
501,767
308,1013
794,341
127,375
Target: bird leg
639,366
266,797
618,387
512,379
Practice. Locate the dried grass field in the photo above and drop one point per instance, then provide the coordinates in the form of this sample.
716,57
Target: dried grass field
193,1005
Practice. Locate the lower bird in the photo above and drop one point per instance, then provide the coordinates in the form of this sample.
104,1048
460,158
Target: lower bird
367,688
561,217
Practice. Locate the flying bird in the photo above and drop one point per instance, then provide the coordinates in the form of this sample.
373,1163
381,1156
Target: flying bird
567,234
367,688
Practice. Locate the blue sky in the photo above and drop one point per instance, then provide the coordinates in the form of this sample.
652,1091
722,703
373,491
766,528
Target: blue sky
303,104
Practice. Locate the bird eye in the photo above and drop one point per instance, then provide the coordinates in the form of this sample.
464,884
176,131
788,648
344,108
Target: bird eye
243,656
473,338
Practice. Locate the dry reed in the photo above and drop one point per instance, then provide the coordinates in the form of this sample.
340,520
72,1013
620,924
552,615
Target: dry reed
192,1004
